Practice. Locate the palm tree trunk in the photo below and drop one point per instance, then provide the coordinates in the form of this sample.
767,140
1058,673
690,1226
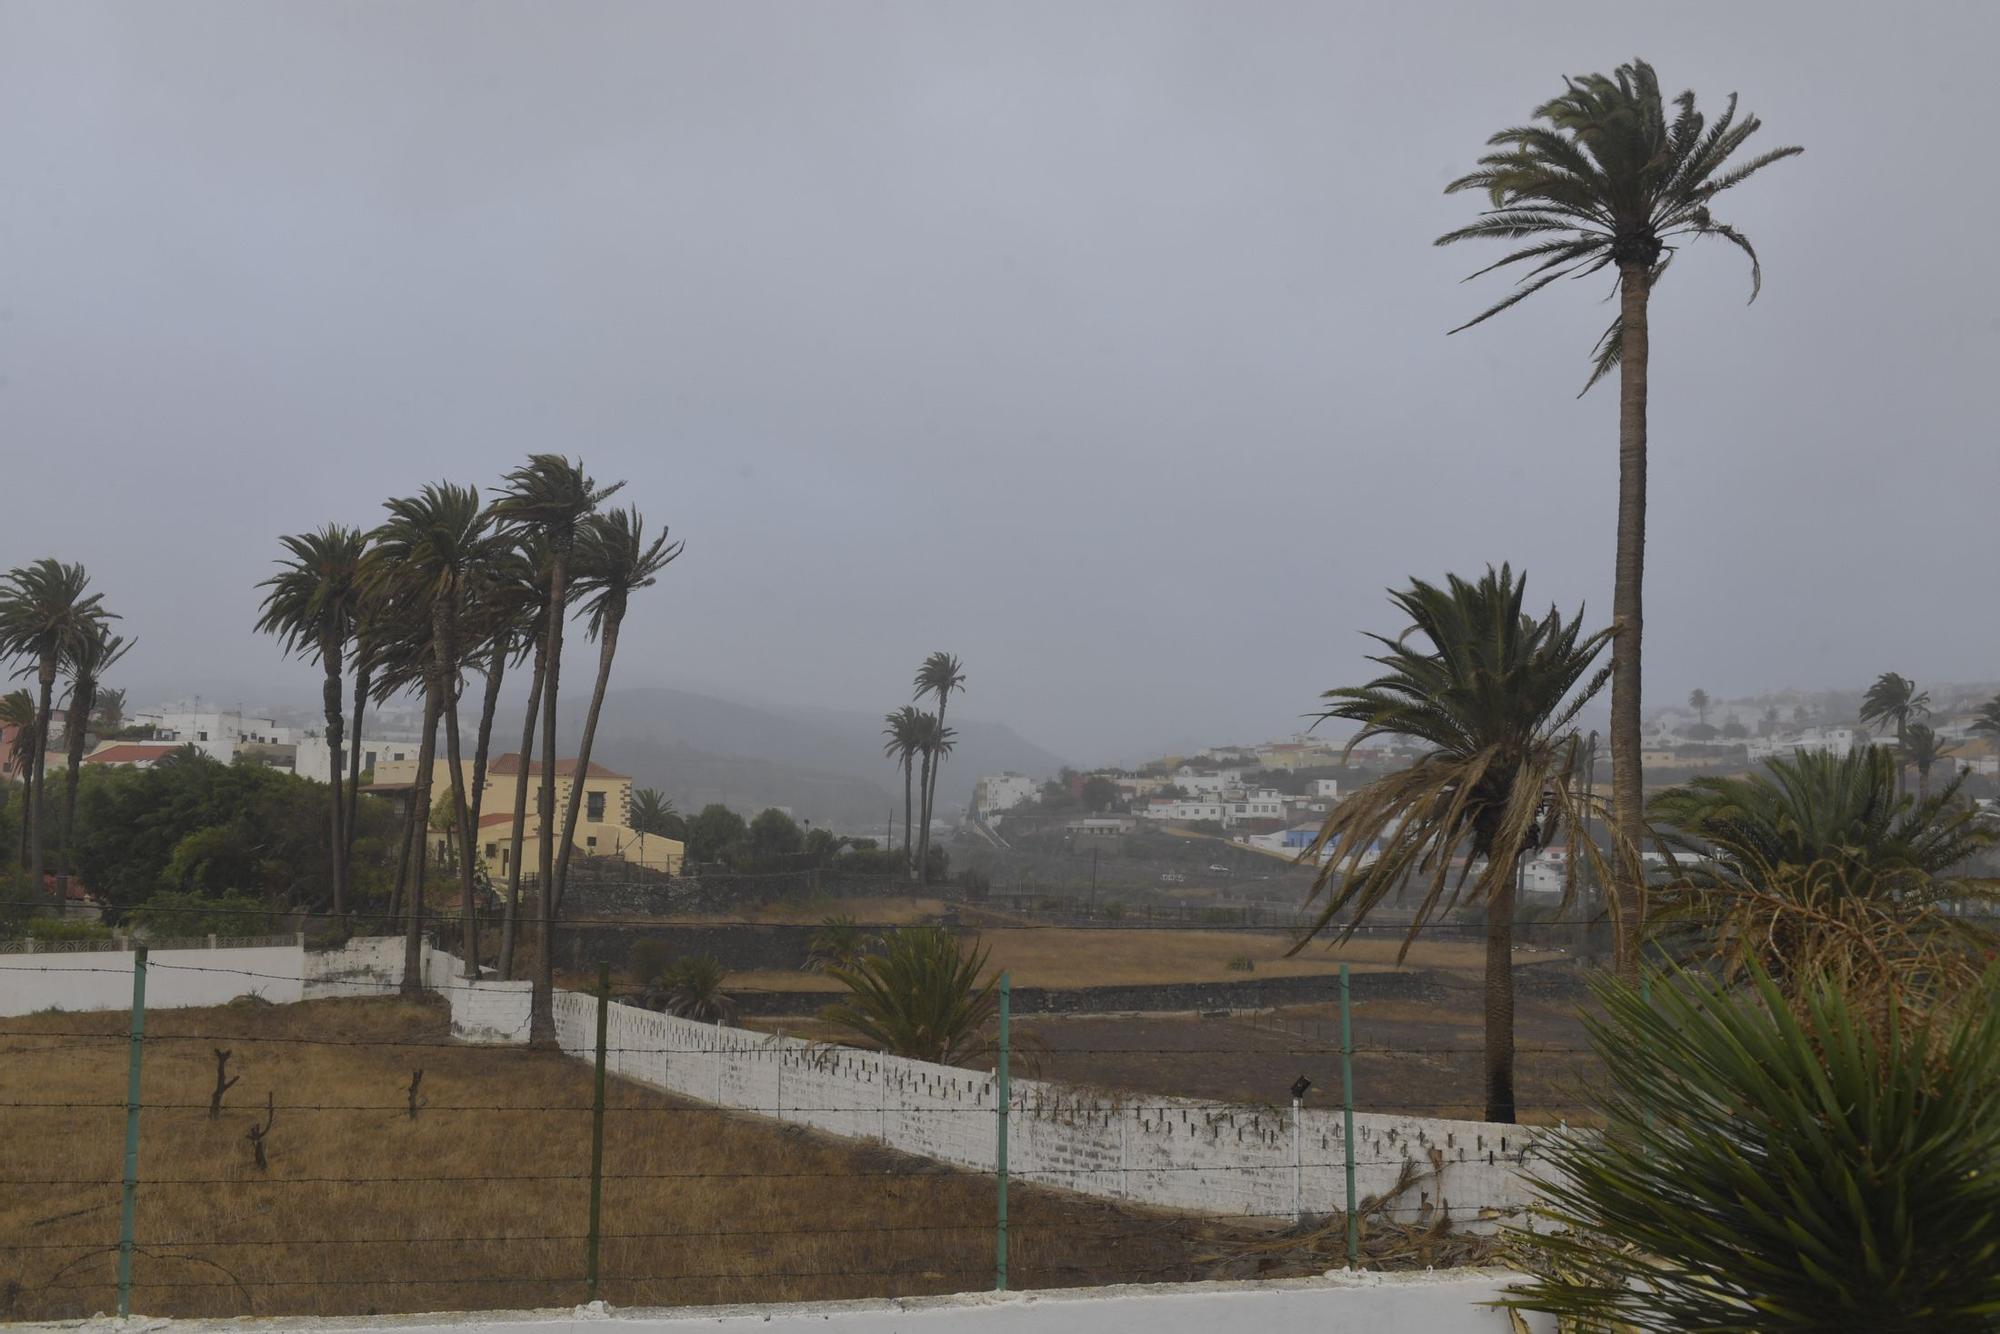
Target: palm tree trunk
930,785
1628,784
542,1018
27,800
330,656
607,649
908,759
921,871
361,674
482,747
467,890
38,802
510,924
1499,1055
85,693
418,827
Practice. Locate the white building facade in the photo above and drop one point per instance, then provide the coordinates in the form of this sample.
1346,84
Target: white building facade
217,734
1002,792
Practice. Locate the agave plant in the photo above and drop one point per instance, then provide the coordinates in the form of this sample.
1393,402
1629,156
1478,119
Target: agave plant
1776,1162
921,997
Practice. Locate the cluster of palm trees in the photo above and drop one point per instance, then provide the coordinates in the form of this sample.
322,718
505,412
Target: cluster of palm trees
52,628
1610,178
444,589
918,741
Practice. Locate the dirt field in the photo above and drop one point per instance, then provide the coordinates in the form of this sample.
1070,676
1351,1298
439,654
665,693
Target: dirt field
1074,957
479,1201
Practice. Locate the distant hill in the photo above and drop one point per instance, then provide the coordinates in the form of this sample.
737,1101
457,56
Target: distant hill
825,764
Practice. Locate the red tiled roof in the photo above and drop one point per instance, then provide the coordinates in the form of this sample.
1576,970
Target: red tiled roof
132,753
496,817
510,763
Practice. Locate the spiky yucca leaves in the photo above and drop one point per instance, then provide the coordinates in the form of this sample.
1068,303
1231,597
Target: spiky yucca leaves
1771,1162
921,997
694,990
1609,181
840,942
1491,692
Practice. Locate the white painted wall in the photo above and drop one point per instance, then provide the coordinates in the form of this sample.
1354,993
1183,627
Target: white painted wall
1453,1303
102,979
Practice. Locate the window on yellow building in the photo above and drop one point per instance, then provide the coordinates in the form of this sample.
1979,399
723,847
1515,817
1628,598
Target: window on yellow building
593,806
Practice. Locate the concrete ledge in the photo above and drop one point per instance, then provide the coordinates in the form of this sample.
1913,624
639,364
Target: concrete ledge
1399,1303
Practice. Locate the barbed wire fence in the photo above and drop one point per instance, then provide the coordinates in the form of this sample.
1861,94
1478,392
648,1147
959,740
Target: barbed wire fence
389,1167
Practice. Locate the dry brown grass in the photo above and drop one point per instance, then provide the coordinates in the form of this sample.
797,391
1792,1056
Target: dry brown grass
883,911
370,1211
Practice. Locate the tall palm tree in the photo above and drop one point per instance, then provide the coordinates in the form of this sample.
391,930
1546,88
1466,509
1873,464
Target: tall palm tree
110,708
533,606
311,608
613,561
1986,720
401,659
548,498
1894,700
95,652
1698,701
1609,180
903,731
44,611
934,742
1491,693
366,632
17,710
429,553
1923,747
939,676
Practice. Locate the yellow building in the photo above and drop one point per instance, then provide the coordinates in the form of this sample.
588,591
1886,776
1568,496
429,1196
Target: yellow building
603,826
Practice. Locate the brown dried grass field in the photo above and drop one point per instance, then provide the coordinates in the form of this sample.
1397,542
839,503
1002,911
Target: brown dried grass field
364,1209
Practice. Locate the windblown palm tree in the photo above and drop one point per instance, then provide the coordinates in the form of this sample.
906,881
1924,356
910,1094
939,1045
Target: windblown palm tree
44,611
613,561
428,555
311,608
1986,720
1895,700
546,500
110,708
401,658
939,676
934,742
903,731
95,651
1491,692
1610,180
1698,701
1923,747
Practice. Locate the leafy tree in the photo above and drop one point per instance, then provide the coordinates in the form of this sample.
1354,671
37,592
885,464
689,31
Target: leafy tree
1490,692
545,502
940,675
44,611
1610,180
312,606
1777,1162
1698,701
920,998
653,813
1768,724
1701,732
1099,793
1800,717
1735,730
177,915
713,833
823,846
774,834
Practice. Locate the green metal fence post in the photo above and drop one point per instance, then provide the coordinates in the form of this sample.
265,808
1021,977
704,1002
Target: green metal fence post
597,1125
128,1215
1347,1109
1004,1096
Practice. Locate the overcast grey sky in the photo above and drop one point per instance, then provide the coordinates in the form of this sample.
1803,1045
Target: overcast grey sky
1100,343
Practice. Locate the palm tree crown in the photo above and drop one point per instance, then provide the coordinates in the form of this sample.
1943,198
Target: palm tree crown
1609,181
44,610
1894,700
313,600
613,561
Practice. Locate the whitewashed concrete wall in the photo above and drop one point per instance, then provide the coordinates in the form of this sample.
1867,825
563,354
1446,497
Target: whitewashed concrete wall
102,979
364,966
1169,1152
1454,1303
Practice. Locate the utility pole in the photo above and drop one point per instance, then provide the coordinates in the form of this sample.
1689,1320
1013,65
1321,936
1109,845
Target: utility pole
1093,884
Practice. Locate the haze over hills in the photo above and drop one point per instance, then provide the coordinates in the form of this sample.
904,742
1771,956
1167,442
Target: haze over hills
825,764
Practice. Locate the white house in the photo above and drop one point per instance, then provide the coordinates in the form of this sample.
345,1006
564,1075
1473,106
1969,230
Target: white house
1824,740
311,760
216,734
1264,804
1002,792
1186,808
1328,788
1207,782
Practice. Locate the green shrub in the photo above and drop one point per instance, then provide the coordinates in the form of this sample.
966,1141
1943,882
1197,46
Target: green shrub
1241,963
1220,916
174,915
695,991
1779,1160
1114,911
650,961
64,929
921,997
